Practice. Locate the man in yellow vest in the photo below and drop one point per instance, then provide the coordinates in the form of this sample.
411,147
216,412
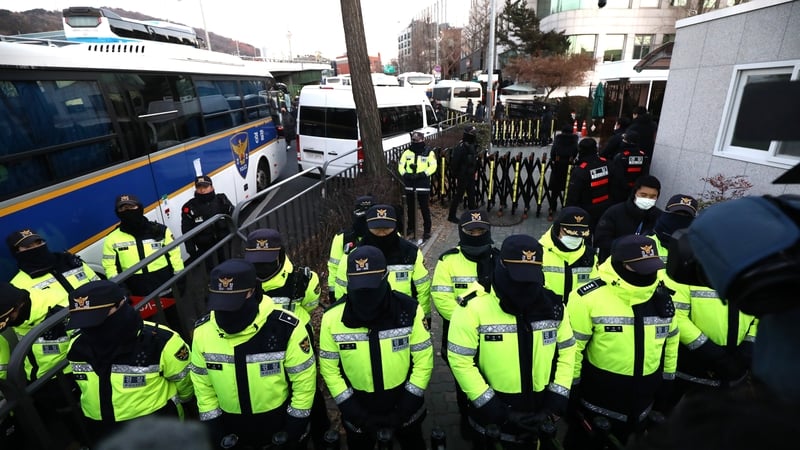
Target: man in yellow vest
568,260
376,355
125,367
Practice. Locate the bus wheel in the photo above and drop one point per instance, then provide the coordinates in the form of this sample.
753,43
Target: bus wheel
263,178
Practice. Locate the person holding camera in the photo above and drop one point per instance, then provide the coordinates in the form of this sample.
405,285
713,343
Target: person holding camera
627,344
417,164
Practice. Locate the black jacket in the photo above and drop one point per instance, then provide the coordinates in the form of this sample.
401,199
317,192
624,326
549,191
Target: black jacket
620,220
197,211
613,145
464,160
562,155
646,128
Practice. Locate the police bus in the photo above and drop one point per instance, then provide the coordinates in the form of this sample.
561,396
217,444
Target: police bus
82,123
418,80
87,24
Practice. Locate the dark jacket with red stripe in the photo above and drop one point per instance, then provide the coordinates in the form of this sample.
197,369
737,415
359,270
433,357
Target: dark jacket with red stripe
625,168
620,220
589,186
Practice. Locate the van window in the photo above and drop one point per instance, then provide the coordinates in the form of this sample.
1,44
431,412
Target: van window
441,93
399,119
336,123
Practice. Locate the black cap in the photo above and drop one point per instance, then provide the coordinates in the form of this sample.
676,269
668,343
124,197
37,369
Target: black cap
474,219
127,199
203,180
10,297
263,246
574,221
417,136
470,130
366,268
639,252
90,303
22,237
229,284
587,145
362,204
682,203
381,216
522,256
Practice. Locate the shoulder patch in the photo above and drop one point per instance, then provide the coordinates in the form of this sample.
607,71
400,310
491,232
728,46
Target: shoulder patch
452,251
183,353
590,286
288,318
305,345
202,320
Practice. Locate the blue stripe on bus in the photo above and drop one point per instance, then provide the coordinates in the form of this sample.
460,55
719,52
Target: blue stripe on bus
75,219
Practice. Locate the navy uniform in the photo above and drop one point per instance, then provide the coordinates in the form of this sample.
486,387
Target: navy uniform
417,164
126,368
253,367
47,278
716,338
569,261
627,340
293,289
589,182
346,240
512,350
376,355
405,263
203,206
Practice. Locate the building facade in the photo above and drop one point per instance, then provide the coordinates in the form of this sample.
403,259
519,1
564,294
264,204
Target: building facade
716,54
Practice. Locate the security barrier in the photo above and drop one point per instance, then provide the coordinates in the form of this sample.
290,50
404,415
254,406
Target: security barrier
523,132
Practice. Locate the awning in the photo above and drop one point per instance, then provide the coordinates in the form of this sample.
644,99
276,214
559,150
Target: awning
658,59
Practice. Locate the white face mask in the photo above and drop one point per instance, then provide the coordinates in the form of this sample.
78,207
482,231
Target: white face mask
571,242
644,203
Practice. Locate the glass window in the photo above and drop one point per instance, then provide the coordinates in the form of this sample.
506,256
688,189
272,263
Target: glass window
255,99
400,119
642,44
217,112
667,38
582,43
785,152
614,47
341,123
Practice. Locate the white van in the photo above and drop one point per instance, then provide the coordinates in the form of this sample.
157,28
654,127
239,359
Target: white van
454,94
327,123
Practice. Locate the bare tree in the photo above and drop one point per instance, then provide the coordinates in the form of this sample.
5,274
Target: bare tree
552,72
476,33
363,91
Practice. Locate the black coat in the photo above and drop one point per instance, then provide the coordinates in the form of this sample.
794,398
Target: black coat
646,129
562,155
620,220
613,145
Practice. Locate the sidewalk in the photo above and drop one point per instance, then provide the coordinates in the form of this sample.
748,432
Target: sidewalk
440,397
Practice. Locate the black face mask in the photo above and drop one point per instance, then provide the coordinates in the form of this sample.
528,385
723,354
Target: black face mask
669,223
132,221
365,306
205,198
474,246
265,271
233,322
418,147
360,224
636,279
468,138
387,244
23,314
121,327
36,261
516,298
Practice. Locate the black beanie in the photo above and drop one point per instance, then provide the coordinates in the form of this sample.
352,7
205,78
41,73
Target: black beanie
587,146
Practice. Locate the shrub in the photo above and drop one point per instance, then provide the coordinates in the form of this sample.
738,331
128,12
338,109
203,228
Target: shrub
720,188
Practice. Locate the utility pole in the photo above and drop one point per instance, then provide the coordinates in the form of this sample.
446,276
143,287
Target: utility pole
289,37
205,28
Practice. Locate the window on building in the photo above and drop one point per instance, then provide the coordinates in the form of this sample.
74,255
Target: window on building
614,47
667,38
778,152
642,44
582,43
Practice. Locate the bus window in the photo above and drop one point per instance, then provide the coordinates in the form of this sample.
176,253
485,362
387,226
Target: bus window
216,110
172,110
255,106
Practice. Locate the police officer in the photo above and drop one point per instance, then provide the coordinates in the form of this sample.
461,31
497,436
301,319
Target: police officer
472,260
205,204
511,349
47,278
125,367
417,164
588,183
136,238
376,355
294,289
627,342
346,240
406,265
716,338
463,164
11,301
568,260
252,363
626,166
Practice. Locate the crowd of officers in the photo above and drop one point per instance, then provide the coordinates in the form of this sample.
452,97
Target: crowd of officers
578,324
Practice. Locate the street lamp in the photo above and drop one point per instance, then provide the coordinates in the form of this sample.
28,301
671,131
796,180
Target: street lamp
289,37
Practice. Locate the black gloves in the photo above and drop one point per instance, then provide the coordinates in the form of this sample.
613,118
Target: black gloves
353,412
493,412
412,167
554,403
726,366
409,404
527,421
296,427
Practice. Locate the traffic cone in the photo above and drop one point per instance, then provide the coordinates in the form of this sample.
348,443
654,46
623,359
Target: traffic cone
575,127
583,129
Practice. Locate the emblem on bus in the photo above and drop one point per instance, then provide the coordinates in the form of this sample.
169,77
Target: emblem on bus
240,146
